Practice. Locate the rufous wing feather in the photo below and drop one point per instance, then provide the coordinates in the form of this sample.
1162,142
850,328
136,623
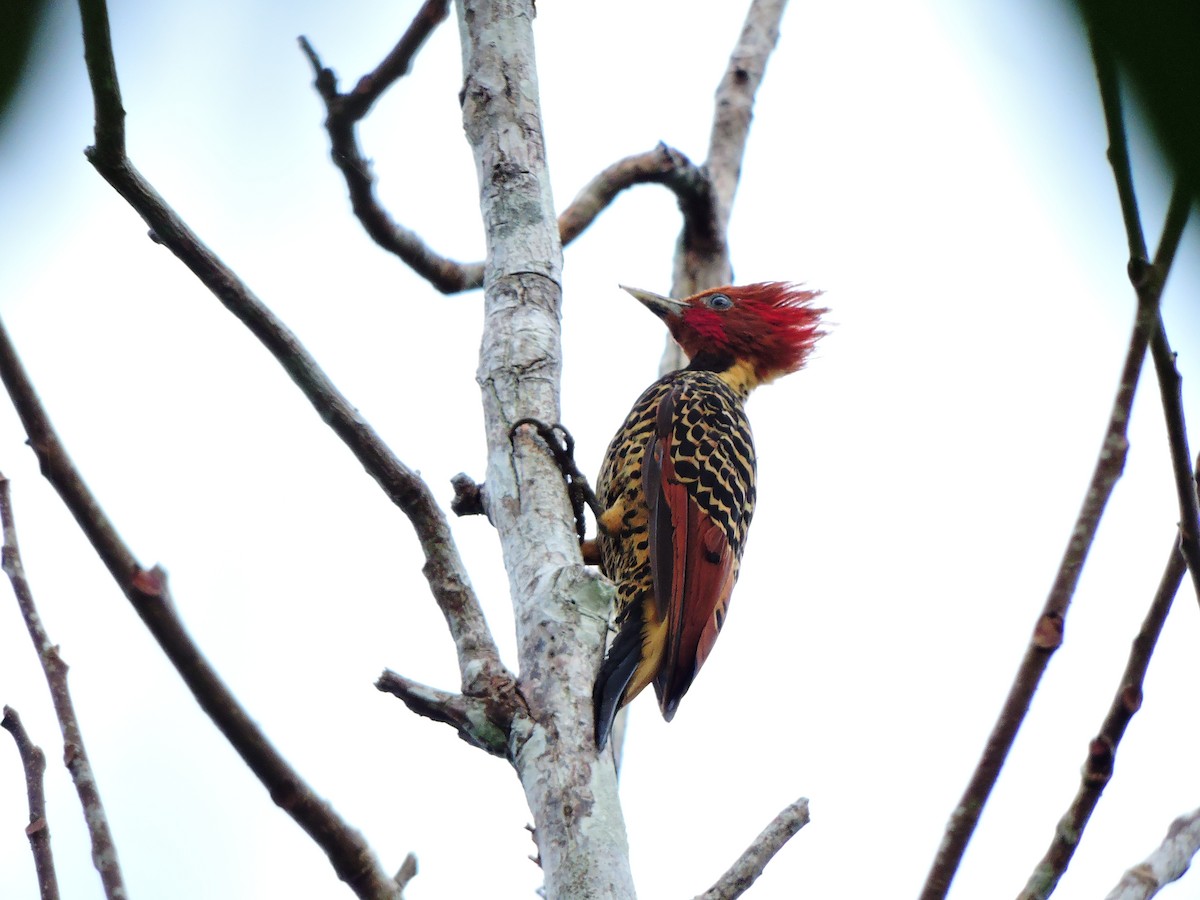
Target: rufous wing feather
693,565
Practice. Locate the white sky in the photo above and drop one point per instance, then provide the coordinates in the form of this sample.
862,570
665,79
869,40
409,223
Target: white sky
938,168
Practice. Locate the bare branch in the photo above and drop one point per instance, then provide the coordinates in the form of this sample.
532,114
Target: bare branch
104,848
343,112
398,62
147,590
1102,750
33,760
1166,864
1171,388
751,863
478,658
407,872
734,109
1118,147
1048,631
702,253
662,165
474,719
1170,384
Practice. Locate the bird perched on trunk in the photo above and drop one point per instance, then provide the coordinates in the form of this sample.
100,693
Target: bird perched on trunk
677,486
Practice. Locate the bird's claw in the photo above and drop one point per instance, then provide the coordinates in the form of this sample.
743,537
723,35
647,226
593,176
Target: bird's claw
562,448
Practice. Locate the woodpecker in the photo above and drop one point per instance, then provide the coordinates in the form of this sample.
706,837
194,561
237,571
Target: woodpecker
676,490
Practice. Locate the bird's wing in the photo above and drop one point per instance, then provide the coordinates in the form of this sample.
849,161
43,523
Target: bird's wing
692,557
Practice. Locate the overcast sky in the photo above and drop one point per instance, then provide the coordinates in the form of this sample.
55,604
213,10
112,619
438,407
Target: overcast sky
937,168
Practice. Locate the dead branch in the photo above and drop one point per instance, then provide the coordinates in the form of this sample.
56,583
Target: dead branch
751,863
33,761
344,112
702,259
1102,750
469,496
146,590
1098,767
1166,864
407,872
1171,388
1048,631
397,63
479,660
702,252
473,718
1170,384
104,848
663,165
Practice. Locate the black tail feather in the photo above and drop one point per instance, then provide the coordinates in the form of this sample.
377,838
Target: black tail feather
615,674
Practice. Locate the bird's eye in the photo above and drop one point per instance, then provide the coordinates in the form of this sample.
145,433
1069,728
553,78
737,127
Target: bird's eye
717,301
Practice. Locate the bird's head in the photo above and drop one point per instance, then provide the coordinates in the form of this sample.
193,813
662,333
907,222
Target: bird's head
770,326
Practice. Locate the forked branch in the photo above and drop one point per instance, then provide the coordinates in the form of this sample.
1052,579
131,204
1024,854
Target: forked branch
146,590
344,112
662,165
1098,766
478,658
1048,630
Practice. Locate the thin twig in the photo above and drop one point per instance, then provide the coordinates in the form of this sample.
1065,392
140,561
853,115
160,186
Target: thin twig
1048,631
146,589
33,760
1166,864
478,658
1171,388
398,62
1102,750
751,863
104,848
1118,146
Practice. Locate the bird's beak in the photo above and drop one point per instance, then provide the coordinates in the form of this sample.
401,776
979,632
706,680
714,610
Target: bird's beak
663,307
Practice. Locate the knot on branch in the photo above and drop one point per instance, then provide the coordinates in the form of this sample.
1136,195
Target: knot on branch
469,499
1048,633
1099,766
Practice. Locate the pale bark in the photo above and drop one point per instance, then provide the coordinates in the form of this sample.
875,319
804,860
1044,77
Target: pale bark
560,605
1166,864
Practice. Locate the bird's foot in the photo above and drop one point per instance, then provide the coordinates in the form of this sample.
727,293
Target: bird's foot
562,448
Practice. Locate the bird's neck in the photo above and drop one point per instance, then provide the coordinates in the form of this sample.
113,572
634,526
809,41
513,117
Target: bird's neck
738,374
